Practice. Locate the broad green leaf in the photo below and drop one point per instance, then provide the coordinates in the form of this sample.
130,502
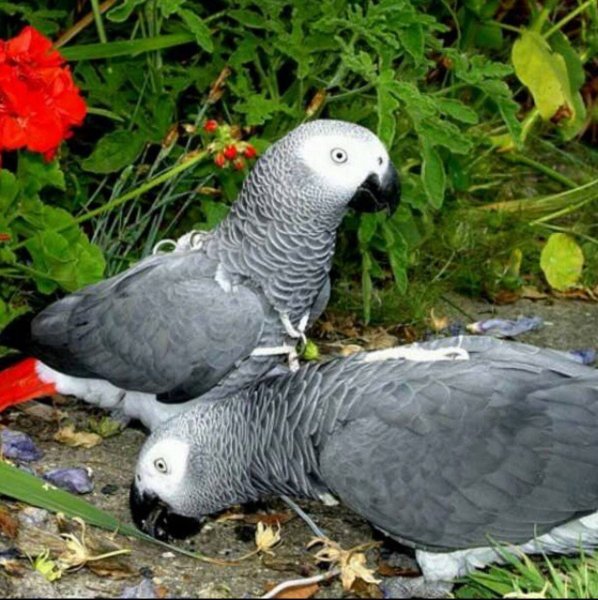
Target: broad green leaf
438,132
215,212
544,73
258,109
120,13
114,151
126,48
22,486
35,173
561,261
433,175
198,28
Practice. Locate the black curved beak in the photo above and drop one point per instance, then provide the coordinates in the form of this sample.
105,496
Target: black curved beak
153,517
377,193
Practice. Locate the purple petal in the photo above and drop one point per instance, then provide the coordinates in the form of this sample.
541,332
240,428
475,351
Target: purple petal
75,480
145,589
17,445
506,327
586,356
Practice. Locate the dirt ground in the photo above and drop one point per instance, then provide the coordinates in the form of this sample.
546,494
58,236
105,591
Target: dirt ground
569,325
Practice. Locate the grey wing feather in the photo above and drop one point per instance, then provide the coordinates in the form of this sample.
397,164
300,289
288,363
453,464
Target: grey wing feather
165,327
449,455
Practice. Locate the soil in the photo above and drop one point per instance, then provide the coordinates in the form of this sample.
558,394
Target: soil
569,325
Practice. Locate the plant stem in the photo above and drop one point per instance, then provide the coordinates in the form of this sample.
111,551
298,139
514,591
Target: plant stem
542,168
568,18
97,16
142,189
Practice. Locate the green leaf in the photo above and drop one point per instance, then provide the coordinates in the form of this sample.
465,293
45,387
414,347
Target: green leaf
412,38
215,212
24,487
114,151
259,109
386,107
433,175
126,48
561,261
35,173
9,188
169,7
248,19
119,14
366,285
457,110
198,28
368,225
543,72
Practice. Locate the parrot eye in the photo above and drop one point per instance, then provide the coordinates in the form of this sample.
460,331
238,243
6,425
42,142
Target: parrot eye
161,465
338,155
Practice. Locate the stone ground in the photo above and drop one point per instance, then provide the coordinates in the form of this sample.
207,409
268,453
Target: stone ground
570,324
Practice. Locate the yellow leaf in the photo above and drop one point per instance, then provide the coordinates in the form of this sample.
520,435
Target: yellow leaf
545,74
68,436
47,567
562,261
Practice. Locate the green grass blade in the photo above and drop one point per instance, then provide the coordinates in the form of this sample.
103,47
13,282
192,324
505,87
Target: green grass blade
125,48
27,488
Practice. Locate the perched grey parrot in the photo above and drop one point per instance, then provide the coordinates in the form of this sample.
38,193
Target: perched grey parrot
449,447
206,321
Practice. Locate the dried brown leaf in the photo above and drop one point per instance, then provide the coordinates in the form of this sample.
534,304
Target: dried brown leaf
362,589
9,526
69,437
531,292
299,592
350,349
438,323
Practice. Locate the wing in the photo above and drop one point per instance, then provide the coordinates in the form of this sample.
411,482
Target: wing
165,327
450,455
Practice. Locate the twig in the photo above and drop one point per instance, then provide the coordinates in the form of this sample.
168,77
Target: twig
291,583
81,24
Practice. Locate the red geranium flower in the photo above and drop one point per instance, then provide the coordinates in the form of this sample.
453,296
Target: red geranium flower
39,102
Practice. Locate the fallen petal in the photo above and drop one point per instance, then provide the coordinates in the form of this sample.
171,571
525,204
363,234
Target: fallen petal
76,480
145,589
17,445
586,356
506,327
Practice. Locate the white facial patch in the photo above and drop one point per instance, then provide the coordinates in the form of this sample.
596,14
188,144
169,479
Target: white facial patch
342,161
163,467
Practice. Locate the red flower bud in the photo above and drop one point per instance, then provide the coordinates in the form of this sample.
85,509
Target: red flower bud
219,160
230,152
5,237
210,126
250,151
239,164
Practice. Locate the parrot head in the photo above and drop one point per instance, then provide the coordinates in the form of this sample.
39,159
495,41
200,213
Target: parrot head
326,166
184,473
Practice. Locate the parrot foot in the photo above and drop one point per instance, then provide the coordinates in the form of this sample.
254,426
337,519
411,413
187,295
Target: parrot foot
415,587
304,517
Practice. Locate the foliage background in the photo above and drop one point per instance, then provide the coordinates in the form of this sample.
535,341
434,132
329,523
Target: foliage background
483,105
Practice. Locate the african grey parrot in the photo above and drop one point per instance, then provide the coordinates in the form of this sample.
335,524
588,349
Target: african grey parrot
444,446
209,320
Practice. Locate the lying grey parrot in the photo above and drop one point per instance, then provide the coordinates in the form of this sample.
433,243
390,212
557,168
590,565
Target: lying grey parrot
447,447
207,321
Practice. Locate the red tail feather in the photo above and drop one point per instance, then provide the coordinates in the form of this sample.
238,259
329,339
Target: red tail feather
21,382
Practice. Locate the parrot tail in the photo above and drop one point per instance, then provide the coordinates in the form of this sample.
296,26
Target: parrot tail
21,382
